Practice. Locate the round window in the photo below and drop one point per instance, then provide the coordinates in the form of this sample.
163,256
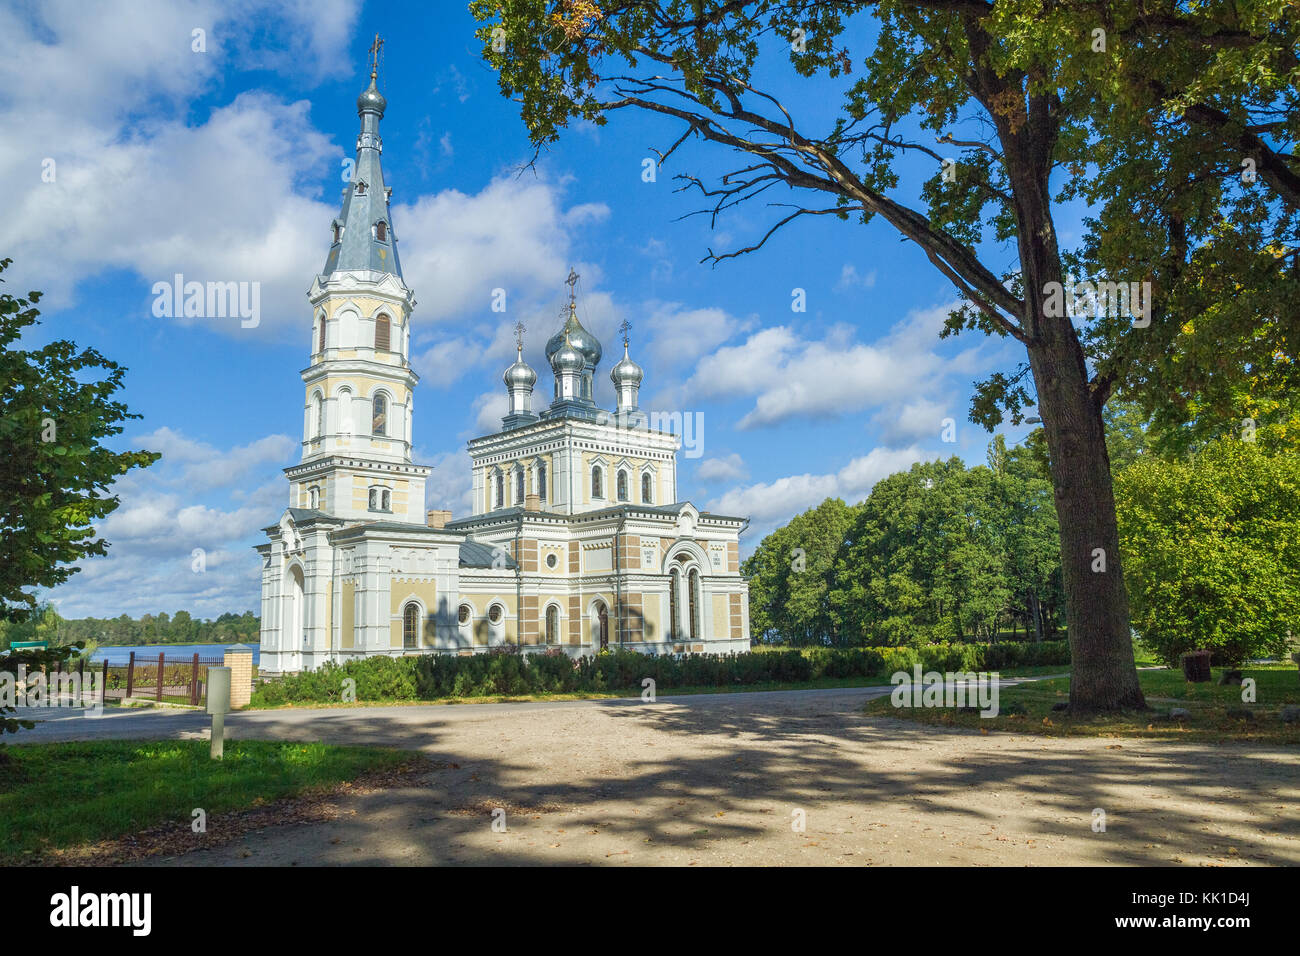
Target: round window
463,614
552,560
494,614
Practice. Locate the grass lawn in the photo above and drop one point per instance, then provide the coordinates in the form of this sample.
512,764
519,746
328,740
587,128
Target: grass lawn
66,795
820,683
1209,704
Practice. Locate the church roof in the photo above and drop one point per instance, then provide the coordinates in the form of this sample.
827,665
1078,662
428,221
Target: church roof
366,242
475,554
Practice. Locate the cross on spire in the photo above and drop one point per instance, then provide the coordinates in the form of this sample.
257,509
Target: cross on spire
519,335
625,328
572,283
374,56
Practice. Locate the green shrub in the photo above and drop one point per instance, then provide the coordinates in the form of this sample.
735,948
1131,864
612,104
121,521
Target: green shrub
505,672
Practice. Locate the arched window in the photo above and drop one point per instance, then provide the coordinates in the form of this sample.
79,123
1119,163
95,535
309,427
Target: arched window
374,499
344,398
313,498
463,614
622,485
541,481
379,414
381,231
647,490
519,485
552,625
597,482
320,338
692,585
383,336
500,490
386,500
317,415
410,626
674,601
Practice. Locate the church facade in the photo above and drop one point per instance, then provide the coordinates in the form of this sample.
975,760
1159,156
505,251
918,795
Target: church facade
575,541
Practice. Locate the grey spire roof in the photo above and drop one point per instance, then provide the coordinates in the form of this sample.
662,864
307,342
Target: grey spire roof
365,245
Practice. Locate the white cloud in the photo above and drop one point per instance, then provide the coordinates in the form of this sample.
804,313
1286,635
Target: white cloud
154,534
730,468
902,375
851,279
514,234
678,335
488,410
104,91
769,504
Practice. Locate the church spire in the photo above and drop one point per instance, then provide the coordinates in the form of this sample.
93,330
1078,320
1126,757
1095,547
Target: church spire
362,238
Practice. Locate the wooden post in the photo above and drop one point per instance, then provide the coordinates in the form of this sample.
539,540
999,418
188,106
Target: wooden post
157,694
194,681
103,685
130,675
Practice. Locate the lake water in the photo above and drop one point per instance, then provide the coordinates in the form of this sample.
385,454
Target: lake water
121,654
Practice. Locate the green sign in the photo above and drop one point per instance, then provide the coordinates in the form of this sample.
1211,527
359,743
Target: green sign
29,645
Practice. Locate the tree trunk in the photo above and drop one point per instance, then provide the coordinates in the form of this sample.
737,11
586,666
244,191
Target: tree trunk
1103,673
1035,609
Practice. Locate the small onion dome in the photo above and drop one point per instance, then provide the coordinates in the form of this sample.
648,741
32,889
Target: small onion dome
372,99
626,372
577,337
520,375
567,359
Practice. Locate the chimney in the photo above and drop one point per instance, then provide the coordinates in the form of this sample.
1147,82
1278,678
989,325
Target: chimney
532,502
438,519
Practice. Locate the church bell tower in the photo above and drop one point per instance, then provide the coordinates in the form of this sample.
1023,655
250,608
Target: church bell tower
359,386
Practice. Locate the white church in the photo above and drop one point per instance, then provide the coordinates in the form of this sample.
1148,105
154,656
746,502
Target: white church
576,540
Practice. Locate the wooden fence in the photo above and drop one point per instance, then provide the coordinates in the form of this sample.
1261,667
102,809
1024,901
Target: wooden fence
177,680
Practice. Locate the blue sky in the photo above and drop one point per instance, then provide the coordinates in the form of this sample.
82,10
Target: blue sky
225,165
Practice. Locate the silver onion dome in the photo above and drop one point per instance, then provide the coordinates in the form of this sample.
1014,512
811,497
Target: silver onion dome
372,99
578,337
567,358
521,374
626,372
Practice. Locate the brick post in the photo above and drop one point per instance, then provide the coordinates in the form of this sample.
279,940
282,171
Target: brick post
239,658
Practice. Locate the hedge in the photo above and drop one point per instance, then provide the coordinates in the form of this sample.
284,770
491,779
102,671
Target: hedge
505,672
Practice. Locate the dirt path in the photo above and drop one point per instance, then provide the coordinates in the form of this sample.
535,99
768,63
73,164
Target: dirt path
718,781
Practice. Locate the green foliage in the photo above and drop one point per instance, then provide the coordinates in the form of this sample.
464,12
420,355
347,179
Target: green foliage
505,673
56,408
937,553
178,628
1211,550
32,660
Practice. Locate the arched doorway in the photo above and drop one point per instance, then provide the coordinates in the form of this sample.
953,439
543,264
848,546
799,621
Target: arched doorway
602,625
293,636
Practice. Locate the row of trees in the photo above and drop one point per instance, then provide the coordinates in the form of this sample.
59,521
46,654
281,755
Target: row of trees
940,552
1209,538
179,628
